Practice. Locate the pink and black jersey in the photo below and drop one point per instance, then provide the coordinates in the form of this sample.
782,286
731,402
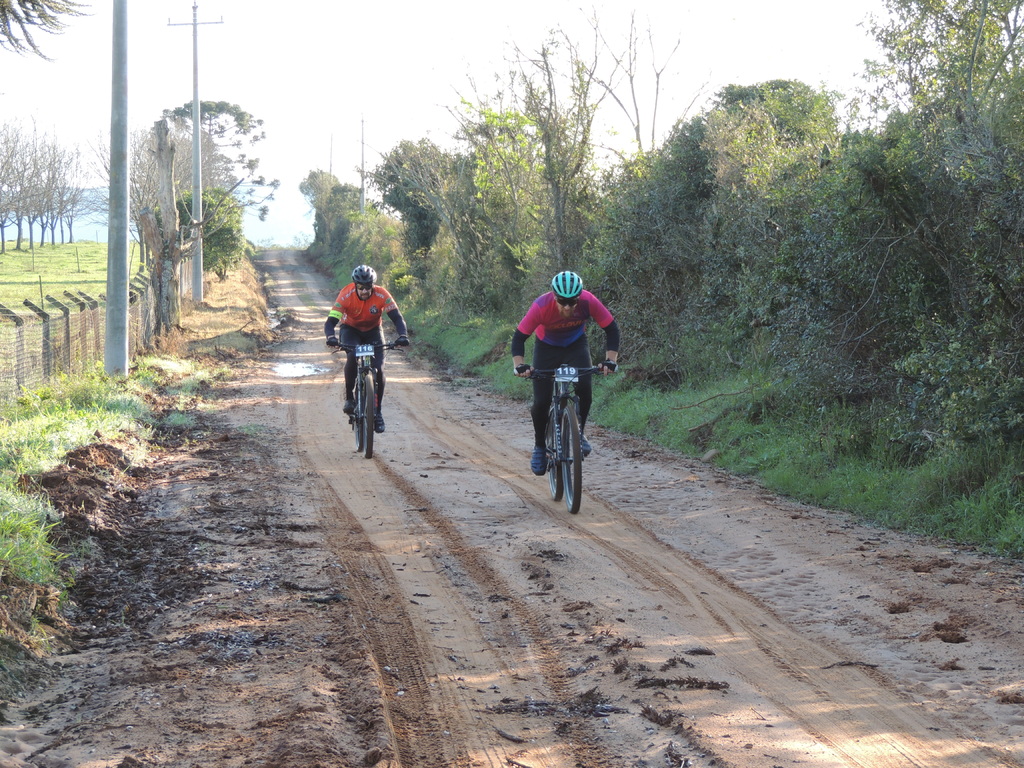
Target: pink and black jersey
544,319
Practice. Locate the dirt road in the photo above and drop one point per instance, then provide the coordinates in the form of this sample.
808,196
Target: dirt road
294,604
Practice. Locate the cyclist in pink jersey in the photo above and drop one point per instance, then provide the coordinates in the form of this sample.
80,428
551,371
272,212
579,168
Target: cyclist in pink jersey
559,319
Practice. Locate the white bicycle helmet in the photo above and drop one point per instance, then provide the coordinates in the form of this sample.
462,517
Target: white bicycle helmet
364,275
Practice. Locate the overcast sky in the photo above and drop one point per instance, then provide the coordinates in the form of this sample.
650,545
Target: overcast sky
336,82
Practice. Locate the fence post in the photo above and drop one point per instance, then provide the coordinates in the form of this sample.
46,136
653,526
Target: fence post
19,344
66,311
47,349
94,318
81,332
144,288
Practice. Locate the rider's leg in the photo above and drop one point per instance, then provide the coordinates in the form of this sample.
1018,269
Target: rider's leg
542,389
545,358
349,336
379,379
376,336
585,392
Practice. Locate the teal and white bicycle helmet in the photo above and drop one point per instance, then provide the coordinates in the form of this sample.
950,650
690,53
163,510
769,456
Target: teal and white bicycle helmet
364,275
567,285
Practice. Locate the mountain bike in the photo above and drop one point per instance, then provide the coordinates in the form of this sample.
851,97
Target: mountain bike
365,393
562,438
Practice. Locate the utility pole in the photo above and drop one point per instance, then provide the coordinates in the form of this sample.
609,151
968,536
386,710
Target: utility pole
362,166
197,157
115,343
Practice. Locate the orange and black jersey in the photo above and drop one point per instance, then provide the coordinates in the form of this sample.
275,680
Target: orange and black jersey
362,315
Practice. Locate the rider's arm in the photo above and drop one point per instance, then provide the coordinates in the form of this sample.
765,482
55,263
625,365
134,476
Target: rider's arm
399,321
611,340
518,347
329,326
611,345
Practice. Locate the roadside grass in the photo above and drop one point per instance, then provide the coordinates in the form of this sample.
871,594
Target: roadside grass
36,433
840,457
39,428
51,269
42,425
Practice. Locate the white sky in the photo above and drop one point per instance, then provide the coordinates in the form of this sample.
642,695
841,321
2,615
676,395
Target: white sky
324,74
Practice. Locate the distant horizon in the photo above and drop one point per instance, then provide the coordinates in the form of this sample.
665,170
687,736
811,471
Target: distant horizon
94,229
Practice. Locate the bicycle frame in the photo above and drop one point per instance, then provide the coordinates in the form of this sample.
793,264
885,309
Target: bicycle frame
365,393
565,456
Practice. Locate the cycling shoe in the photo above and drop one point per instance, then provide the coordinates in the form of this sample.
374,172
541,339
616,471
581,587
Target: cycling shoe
539,460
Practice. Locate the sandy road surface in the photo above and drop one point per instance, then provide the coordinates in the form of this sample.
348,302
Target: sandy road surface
451,614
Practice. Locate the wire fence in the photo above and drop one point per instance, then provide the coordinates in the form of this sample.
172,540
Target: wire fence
66,336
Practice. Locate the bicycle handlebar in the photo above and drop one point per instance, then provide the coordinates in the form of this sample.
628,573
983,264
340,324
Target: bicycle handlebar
376,345
542,373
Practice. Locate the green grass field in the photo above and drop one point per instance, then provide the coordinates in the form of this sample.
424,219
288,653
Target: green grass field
53,269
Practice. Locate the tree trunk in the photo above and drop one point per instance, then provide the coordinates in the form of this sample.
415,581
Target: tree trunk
162,237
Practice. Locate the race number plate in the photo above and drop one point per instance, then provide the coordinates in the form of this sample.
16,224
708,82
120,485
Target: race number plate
566,373
364,350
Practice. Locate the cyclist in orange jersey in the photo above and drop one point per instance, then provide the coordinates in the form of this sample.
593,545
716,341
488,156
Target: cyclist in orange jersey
357,316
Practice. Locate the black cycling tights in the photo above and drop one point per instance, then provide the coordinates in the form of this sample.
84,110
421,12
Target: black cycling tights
546,357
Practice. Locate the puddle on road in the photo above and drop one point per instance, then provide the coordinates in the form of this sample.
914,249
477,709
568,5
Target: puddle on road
297,370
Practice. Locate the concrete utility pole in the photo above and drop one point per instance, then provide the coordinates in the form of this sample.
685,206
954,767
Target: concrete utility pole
115,345
197,157
362,166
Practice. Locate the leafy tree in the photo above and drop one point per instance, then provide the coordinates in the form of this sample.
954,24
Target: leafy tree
961,53
558,101
224,243
232,133
654,233
19,18
400,179
334,205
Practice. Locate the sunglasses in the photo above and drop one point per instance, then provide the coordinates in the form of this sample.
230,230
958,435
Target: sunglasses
566,302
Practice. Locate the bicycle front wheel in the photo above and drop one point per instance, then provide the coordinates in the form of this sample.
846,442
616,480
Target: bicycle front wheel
369,411
573,455
356,419
555,474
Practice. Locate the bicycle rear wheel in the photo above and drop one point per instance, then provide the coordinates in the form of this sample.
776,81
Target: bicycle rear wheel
555,474
573,455
369,411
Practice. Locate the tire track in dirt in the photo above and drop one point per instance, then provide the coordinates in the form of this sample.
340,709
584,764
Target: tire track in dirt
452,517
420,560
851,708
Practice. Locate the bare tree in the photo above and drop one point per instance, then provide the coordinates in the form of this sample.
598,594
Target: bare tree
10,178
625,84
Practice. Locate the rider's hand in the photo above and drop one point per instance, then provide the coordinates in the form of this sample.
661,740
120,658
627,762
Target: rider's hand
402,341
332,341
608,366
523,370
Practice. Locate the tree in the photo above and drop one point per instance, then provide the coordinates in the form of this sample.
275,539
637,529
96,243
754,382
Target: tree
963,53
224,243
160,228
560,107
402,191
333,204
627,67
19,18
231,132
